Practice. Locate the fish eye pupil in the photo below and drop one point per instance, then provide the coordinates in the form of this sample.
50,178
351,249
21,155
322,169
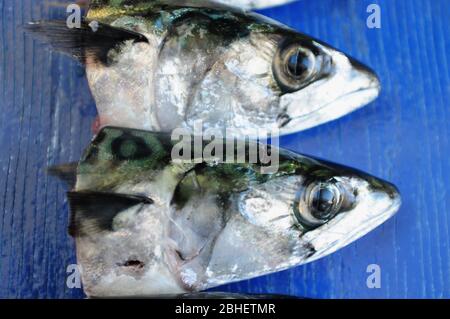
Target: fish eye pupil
298,63
322,202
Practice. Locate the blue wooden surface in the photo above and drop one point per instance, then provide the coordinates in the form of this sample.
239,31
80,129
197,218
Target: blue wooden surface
47,111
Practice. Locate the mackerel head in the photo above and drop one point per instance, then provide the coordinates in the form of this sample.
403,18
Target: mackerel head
147,222
160,65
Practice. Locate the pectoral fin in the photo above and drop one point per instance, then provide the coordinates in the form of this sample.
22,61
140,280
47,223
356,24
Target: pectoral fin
93,212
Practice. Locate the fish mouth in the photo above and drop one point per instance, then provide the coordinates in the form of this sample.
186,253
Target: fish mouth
345,104
359,87
340,233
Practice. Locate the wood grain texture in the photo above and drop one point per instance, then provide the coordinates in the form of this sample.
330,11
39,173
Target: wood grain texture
47,112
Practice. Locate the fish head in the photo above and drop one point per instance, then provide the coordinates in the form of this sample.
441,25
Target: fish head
301,81
264,74
359,202
318,83
311,213
260,224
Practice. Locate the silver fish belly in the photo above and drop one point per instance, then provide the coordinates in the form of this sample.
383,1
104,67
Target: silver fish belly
245,4
159,66
254,4
146,224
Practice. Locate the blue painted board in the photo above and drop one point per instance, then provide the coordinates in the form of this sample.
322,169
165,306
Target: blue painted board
46,113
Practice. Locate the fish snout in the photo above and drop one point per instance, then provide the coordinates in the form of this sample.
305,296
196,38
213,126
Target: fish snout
367,78
350,86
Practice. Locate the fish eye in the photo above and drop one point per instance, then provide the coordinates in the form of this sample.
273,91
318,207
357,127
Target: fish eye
299,62
324,201
295,66
317,203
